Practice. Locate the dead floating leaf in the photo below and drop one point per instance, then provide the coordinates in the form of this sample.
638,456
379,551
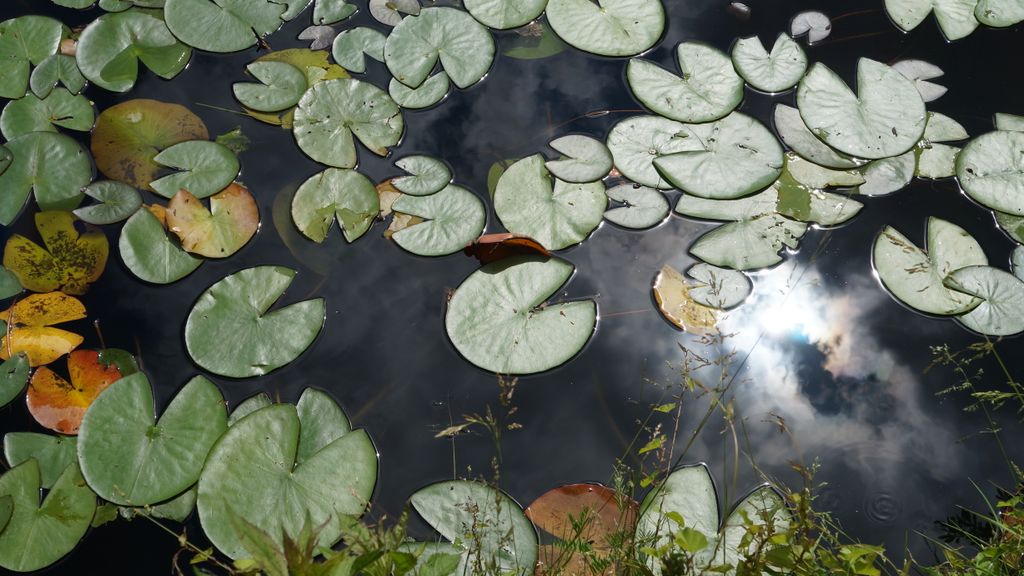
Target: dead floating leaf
60,405
219,232
672,292
580,513
30,327
70,262
493,247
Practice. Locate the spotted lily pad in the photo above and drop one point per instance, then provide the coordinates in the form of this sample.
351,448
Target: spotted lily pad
499,318
109,50
428,175
775,71
708,89
332,112
505,14
463,46
150,254
557,216
233,314
281,86
1001,311
345,195
53,453
955,17
116,202
60,108
130,458
485,525
351,45
990,171
70,262
452,219
641,207
739,156
219,232
60,405
432,91
56,69
588,160
608,27
915,276
886,118
205,168
30,328
38,535
129,135
223,25
637,141
24,42
329,487
53,166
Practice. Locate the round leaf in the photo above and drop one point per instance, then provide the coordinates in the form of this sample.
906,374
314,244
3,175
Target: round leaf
1001,311
54,166
350,46
990,171
281,87
505,14
432,91
719,288
117,201
232,315
219,232
110,48
464,47
223,25
610,28
588,159
815,24
56,68
643,207
999,13
206,168
888,175
556,216
708,89
52,453
150,254
499,320
330,11
452,219
428,175
749,244
772,72
795,134
345,195
59,108
637,141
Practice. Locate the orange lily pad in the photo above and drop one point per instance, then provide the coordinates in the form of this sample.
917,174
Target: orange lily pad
672,293
129,135
70,262
60,405
493,247
29,327
231,221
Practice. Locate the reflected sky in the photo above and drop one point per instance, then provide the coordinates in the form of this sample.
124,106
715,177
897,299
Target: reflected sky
819,343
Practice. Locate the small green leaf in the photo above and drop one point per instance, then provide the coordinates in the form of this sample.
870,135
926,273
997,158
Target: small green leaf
116,202
206,168
350,46
281,86
150,254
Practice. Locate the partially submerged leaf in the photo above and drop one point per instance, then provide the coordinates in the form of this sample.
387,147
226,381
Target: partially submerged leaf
499,320
70,261
30,331
129,135
58,404
708,89
610,27
589,513
672,293
464,47
233,314
343,195
205,167
219,232
110,48
150,254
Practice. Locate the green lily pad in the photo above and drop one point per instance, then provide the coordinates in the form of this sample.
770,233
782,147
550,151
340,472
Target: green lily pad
1004,121
281,86
886,118
795,134
464,47
499,318
322,422
915,277
428,175
788,198
232,314
637,141
708,89
452,219
718,288
739,156
177,509
608,27
77,4
936,160
130,458
432,91
248,406
773,72
327,12
205,167
989,169
116,202
505,14
150,254
1001,311
24,42
351,45
223,25
60,108
486,525
588,160
920,72
256,461
53,453
643,207
52,165
129,135
56,68
817,177
888,175
955,17
332,112
1017,262
557,216
345,195
749,244
13,373
39,535
942,128
999,13
110,48
1012,225
391,12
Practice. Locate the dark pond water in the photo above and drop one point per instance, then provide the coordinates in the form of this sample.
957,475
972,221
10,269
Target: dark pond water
819,343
